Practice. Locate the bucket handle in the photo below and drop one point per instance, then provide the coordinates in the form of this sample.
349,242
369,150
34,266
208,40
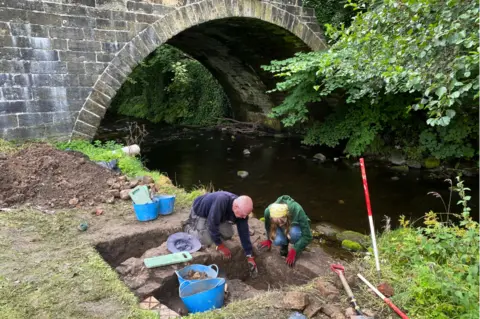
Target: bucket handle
183,285
216,268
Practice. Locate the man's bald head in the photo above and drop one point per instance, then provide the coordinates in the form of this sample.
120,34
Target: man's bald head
242,206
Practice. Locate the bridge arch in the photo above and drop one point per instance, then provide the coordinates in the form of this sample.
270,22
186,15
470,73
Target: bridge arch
62,39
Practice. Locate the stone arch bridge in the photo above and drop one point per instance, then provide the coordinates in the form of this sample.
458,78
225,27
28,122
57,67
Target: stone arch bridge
62,61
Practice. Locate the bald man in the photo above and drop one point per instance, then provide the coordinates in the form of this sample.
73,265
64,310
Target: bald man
212,217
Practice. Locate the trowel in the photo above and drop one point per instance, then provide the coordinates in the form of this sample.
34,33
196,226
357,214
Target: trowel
340,270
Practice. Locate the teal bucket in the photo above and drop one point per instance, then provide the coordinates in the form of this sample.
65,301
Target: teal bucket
209,270
202,295
165,203
146,212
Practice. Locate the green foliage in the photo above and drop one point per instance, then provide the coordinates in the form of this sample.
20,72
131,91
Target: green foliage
171,87
332,12
397,57
435,267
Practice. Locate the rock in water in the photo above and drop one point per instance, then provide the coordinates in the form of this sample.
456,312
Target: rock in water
328,231
351,245
319,156
242,174
414,164
397,158
431,162
400,168
354,236
246,152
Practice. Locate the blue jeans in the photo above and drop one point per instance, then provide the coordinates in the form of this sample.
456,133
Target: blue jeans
282,240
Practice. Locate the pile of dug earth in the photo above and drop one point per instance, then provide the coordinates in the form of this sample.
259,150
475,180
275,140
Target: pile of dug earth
44,176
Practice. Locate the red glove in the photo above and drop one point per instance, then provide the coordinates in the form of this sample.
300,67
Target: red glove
291,257
224,250
252,265
266,244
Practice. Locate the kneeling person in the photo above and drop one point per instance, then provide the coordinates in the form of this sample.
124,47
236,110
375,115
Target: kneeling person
212,217
286,222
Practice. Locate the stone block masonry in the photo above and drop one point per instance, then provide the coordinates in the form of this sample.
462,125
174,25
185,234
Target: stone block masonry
62,61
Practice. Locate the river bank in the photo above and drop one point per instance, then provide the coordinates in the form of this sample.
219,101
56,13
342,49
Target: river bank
61,271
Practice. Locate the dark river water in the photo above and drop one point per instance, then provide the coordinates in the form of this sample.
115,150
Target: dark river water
330,191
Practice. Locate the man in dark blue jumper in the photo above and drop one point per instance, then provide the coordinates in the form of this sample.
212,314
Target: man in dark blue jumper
211,220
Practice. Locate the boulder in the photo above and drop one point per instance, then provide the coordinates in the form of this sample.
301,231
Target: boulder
354,236
397,158
133,183
351,245
328,231
414,164
320,157
333,312
431,162
111,181
246,152
395,178
242,174
295,300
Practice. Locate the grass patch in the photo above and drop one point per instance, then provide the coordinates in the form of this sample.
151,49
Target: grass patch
433,267
48,272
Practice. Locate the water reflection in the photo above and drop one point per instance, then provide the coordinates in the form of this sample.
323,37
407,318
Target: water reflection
329,192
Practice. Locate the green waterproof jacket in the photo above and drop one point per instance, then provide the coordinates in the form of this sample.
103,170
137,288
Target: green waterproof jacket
298,217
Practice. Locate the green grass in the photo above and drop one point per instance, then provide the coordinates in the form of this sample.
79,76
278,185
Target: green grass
49,272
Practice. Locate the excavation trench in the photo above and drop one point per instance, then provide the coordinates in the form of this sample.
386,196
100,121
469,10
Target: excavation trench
126,256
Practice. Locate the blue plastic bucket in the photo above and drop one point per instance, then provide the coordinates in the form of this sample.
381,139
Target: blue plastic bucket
209,270
146,212
165,203
202,295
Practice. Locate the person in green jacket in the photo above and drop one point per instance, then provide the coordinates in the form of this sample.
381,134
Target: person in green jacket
286,222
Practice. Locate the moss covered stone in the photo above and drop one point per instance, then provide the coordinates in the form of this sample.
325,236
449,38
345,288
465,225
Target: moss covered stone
431,162
354,236
351,245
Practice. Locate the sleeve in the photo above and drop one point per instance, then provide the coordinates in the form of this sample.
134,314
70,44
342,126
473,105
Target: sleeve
214,218
244,234
304,224
266,215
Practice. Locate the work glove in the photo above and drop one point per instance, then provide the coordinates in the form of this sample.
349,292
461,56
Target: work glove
252,266
291,257
227,254
265,244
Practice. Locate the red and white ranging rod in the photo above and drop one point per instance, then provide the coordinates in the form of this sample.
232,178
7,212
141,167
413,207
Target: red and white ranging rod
370,217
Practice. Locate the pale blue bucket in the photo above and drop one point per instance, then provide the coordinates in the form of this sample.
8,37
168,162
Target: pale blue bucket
166,203
202,295
211,271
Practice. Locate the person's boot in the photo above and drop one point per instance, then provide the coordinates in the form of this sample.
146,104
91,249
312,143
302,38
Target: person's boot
284,250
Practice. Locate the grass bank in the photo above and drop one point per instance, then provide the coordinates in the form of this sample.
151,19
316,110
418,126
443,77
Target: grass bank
433,265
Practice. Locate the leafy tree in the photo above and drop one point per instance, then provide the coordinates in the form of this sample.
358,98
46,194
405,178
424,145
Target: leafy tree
424,49
171,87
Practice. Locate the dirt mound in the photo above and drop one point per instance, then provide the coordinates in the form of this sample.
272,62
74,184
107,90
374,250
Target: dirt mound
45,176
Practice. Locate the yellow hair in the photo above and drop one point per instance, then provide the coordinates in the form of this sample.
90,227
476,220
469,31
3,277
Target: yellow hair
278,210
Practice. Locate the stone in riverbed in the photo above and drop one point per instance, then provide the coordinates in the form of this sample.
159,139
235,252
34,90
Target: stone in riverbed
400,168
124,194
328,231
351,245
354,236
431,162
242,174
320,157
397,158
246,152
414,164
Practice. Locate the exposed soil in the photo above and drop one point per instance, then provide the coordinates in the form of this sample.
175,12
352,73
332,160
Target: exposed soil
45,176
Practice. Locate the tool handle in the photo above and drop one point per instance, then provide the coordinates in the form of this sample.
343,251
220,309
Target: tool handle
345,285
395,308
